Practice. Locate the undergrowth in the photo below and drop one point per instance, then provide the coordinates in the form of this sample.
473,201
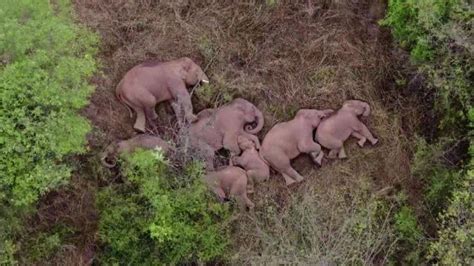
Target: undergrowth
157,216
45,63
438,35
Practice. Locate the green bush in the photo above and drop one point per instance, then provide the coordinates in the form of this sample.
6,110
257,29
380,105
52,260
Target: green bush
45,63
438,34
456,231
156,216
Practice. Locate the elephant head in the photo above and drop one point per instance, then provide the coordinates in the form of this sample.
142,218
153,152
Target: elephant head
251,115
313,116
357,107
191,73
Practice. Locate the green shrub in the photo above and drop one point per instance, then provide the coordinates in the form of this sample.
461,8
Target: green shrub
45,63
437,34
157,216
42,245
456,233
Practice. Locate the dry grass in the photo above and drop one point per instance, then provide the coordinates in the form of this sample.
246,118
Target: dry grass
282,56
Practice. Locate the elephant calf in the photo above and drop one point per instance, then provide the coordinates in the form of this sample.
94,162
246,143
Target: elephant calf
230,181
142,141
257,169
285,141
147,84
334,130
219,128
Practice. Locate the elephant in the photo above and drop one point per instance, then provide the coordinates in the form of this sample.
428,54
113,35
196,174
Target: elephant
150,83
142,141
286,140
230,181
219,128
250,159
334,130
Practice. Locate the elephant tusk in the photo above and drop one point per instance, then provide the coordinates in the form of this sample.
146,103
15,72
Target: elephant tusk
205,81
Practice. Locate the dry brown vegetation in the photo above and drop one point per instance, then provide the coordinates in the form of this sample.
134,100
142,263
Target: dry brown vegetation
281,55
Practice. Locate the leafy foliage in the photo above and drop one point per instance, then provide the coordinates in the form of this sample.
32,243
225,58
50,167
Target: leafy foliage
438,34
46,61
159,217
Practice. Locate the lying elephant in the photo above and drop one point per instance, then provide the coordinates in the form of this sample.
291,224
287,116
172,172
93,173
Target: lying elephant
257,169
228,182
147,84
285,141
142,141
334,130
219,128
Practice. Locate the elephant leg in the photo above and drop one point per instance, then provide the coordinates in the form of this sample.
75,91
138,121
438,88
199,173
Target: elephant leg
178,112
293,174
250,181
317,157
208,153
361,138
149,114
288,179
220,193
230,143
364,131
342,153
184,101
312,148
239,191
140,122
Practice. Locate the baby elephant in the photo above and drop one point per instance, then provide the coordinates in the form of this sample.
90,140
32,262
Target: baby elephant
287,140
142,141
250,160
230,181
150,83
333,131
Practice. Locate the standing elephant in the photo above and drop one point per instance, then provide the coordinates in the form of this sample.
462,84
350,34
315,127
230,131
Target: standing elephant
230,181
257,169
219,128
334,130
147,84
142,141
286,140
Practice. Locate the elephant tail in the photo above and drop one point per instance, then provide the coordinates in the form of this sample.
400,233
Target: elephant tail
118,94
260,121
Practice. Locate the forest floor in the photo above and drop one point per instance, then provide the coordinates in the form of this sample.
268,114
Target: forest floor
282,57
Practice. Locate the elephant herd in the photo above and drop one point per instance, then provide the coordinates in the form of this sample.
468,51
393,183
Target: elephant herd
232,126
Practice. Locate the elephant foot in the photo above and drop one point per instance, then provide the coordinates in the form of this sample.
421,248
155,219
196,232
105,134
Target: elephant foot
191,118
317,158
250,190
374,141
139,129
342,153
289,181
362,142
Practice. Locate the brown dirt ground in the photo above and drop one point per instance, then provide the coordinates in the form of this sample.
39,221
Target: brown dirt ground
295,54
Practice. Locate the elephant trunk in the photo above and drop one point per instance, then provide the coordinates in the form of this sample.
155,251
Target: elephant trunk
366,109
103,160
260,121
